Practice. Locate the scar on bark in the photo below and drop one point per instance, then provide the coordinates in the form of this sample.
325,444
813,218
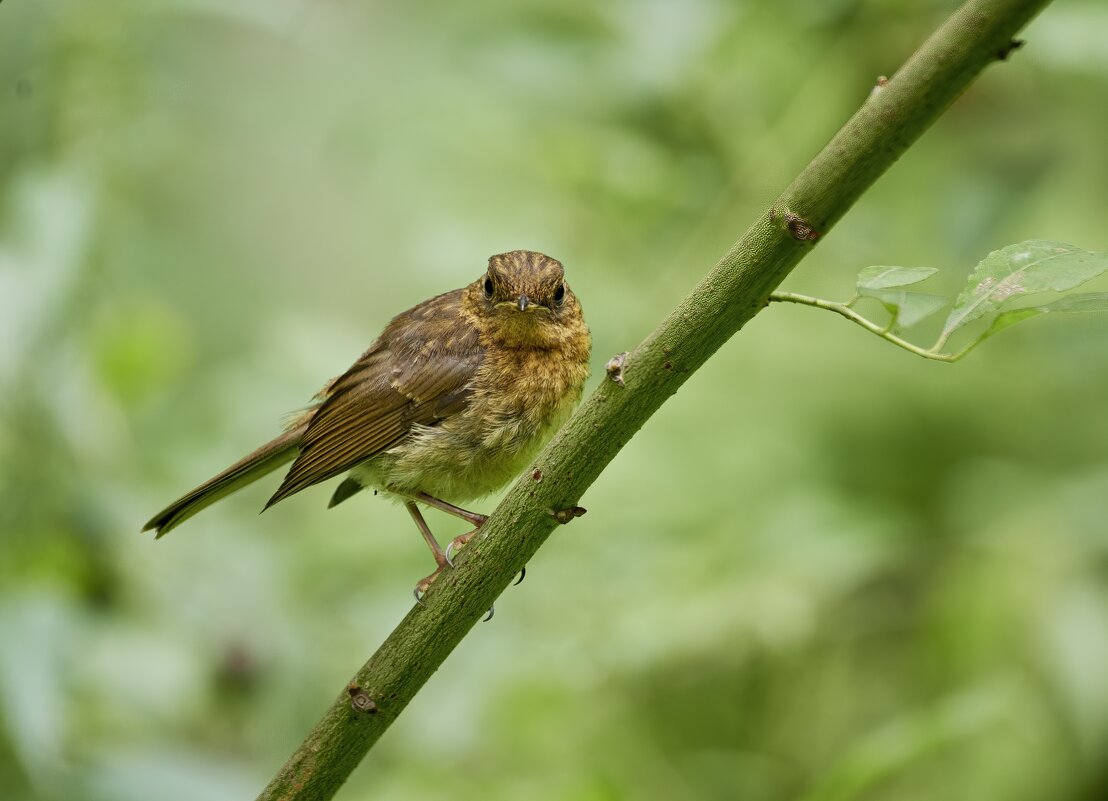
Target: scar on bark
614,367
360,700
798,228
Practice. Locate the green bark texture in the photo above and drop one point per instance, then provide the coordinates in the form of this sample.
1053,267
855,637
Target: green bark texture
888,122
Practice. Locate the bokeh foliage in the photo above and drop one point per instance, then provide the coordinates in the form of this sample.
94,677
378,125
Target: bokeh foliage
825,570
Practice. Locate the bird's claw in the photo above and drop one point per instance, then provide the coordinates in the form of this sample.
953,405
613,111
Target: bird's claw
456,543
422,586
448,561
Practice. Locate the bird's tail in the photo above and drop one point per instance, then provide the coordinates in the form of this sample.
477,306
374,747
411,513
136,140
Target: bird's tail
247,470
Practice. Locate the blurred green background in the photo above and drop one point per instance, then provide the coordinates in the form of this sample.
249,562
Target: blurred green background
826,569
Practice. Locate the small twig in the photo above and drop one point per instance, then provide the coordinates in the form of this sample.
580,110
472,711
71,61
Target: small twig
884,332
941,341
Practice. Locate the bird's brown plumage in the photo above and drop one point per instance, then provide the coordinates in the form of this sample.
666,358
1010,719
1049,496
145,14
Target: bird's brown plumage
416,373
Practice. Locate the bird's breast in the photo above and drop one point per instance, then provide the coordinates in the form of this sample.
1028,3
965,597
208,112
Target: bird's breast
517,400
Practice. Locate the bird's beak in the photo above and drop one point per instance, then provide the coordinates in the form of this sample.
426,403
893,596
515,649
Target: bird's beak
524,301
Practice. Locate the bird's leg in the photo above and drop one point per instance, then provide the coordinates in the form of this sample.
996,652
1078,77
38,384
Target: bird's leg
446,559
440,558
451,509
474,518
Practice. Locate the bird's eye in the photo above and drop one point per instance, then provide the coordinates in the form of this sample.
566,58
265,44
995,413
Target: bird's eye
488,288
559,295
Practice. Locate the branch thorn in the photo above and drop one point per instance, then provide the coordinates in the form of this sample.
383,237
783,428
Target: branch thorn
1015,44
563,516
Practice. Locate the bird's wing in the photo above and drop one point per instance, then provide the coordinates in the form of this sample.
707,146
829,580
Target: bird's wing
418,372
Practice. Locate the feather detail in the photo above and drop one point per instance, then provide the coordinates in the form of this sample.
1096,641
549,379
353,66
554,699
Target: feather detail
413,375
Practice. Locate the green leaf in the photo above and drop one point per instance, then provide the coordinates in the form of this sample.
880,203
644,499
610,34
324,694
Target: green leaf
1027,268
1084,302
885,277
1081,302
907,308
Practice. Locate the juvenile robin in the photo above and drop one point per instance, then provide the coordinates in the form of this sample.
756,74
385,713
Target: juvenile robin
450,403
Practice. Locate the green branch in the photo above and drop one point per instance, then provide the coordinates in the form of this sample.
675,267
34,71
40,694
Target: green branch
889,121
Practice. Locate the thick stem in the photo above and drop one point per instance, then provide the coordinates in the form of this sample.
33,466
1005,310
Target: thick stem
889,121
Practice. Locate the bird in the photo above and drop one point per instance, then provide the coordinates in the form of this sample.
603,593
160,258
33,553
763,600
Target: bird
450,402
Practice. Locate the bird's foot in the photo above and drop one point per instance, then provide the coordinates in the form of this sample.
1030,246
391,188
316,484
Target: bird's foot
425,583
456,544
459,542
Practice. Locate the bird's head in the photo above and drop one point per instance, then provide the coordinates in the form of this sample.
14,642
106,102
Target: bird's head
523,299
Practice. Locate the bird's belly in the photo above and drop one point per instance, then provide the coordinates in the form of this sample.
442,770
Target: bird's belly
467,456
